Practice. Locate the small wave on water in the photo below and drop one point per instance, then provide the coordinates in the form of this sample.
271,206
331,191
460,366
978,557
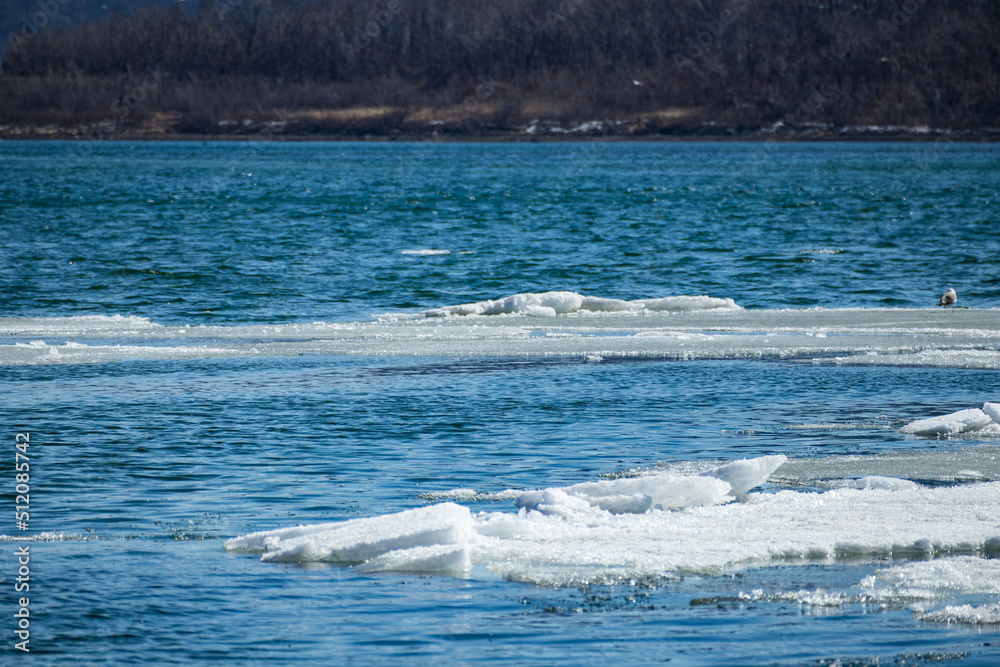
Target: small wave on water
425,252
548,304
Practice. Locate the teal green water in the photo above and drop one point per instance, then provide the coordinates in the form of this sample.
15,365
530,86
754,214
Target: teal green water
153,446
188,232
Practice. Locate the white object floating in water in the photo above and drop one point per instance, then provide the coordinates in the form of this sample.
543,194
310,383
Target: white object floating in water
962,421
427,539
948,298
549,304
594,545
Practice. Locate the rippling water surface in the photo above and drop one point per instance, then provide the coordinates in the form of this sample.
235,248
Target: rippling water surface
207,341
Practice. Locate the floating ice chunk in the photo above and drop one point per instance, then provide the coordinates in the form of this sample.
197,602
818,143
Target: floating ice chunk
877,482
570,302
445,527
984,615
957,422
579,542
745,474
934,579
993,411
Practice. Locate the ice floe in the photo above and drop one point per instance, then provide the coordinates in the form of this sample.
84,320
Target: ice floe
560,303
612,530
433,538
934,579
930,588
966,614
963,421
543,324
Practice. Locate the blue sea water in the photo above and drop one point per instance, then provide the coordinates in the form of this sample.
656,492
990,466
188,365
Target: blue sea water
206,340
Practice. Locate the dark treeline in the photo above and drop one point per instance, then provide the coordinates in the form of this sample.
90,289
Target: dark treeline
499,63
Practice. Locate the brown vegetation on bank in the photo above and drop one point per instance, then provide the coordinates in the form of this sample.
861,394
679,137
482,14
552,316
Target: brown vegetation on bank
361,67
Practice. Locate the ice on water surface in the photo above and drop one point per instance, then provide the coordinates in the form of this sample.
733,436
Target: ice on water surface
638,495
542,324
964,421
662,526
433,538
555,303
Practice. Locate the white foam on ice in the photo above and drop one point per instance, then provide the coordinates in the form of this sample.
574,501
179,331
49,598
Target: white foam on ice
560,303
